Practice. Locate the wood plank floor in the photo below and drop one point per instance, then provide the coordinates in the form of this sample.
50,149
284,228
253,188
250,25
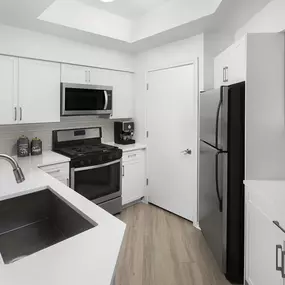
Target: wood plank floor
160,248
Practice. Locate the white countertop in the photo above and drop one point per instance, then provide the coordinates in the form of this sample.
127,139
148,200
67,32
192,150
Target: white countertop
129,147
88,258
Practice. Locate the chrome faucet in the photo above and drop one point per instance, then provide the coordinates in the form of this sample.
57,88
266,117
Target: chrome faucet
18,173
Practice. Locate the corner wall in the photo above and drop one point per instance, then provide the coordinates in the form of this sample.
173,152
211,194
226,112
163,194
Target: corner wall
265,108
270,19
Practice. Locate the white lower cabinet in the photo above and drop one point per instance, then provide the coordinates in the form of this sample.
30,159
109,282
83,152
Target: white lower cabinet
265,249
58,171
265,234
133,180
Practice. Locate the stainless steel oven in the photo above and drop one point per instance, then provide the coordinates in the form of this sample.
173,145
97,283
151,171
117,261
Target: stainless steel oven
98,183
81,99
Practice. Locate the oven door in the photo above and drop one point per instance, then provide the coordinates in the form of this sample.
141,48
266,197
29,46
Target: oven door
78,99
99,183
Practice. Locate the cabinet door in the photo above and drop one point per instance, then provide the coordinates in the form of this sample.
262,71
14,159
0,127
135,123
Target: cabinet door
39,91
237,65
123,102
101,77
8,89
221,69
263,239
75,74
133,183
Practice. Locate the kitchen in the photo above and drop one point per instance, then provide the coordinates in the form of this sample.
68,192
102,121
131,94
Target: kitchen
45,57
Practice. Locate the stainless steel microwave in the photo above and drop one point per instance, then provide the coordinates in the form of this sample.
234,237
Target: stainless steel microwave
84,100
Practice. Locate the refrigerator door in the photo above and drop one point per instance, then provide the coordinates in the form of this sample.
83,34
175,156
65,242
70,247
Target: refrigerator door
212,170
210,117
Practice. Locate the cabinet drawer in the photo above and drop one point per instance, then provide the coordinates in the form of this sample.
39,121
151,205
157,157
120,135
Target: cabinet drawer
133,156
270,201
59,171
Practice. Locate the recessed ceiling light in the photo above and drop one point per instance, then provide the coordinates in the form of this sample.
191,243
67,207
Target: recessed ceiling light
107,1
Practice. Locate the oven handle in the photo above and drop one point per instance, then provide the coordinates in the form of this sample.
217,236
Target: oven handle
96,166
106,100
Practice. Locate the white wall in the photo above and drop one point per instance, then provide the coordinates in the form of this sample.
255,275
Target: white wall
10,133
271,19
169,55
26,43
265,108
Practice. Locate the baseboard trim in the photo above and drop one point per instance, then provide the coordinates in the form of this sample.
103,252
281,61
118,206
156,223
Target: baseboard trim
134,203
196,225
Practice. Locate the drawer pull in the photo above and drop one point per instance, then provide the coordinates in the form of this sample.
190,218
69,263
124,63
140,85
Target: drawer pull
53,171
132,155
277,224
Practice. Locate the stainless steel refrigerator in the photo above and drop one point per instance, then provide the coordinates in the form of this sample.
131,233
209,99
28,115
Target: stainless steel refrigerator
221,175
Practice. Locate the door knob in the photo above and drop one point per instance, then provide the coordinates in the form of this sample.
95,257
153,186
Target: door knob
187,151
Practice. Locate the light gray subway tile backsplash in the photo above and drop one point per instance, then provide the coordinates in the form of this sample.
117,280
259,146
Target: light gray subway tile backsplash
9,134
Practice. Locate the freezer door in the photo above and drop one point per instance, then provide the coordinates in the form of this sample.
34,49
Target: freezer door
210,117
212,185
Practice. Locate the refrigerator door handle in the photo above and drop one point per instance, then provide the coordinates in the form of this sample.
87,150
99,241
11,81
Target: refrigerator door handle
219,196
217,123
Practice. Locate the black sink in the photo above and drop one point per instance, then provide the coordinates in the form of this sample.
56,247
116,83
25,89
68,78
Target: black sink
36,221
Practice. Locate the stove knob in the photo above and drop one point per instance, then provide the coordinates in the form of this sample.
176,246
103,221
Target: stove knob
82,163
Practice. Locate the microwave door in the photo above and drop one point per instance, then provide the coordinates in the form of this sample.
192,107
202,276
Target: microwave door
84,100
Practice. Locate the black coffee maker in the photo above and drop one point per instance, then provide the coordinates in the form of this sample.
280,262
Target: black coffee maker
124,133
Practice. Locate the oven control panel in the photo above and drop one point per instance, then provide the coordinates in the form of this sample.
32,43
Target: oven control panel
97,159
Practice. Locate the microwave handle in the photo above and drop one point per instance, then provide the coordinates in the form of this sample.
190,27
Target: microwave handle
106,100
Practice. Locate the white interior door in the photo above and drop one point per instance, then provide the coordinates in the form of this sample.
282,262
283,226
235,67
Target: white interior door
172,126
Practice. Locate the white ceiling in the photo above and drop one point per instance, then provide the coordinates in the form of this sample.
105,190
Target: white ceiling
130,9
230,15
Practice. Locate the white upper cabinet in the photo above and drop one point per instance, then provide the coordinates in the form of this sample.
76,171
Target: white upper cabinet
230,65
39,91
75,74
8,89
123,103
122,83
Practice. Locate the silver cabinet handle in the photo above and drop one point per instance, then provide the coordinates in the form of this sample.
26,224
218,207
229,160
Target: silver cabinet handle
226,74
132,155
277,224
53,171
187,151
123,170
15,113
283,263
86,77
21,114
279,249
89,76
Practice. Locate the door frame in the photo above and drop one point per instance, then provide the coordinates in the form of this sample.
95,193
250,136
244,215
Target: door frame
195,63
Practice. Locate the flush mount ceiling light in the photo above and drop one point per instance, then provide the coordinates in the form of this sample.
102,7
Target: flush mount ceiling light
107,1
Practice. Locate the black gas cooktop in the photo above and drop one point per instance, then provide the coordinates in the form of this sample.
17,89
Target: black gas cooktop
84,147
85,150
